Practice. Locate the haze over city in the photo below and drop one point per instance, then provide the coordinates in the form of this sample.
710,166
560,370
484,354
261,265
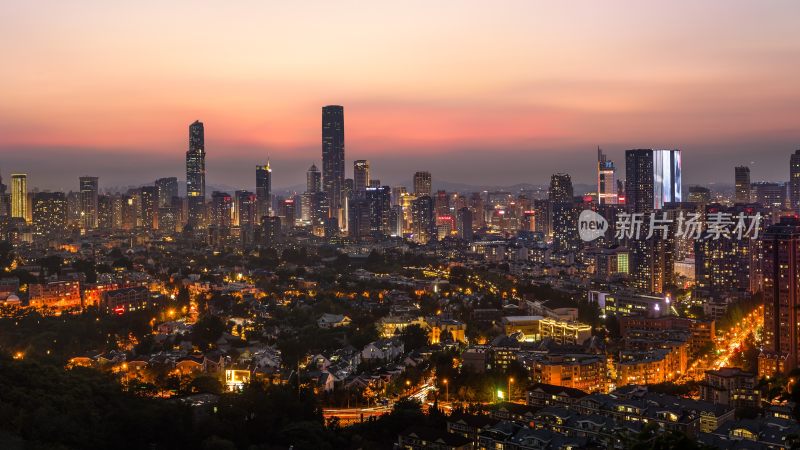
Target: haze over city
451,87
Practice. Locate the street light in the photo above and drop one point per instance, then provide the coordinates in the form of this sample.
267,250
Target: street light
446,391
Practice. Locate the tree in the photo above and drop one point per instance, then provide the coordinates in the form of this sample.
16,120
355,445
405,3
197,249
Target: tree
207,330
414,337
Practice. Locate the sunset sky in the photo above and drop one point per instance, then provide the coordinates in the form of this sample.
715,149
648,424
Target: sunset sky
476,92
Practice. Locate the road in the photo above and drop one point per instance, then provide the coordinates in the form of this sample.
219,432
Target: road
352,415
727,345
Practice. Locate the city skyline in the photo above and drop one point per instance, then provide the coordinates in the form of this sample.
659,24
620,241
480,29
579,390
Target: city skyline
648,77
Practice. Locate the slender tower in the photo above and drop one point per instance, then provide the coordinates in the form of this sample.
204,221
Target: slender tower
333,157
196,173
263,190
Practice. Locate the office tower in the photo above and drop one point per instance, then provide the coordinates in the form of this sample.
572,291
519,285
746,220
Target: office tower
653,177
565,226
476,204
270,230
794,181
149,207
196,174
742,179
541,209
289,213
317,208
423,222
88,202
263,190
770,195
781,289
333,158
246,215
606,183
167,190
49,214
379,202
699,194
221,210
441,204
359,220
726,266
313,179
361,180
422,184
464,224
19,195
105,212
561,188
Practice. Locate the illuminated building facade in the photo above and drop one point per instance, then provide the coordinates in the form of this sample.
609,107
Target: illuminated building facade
196,174
333,158
19,195
263,190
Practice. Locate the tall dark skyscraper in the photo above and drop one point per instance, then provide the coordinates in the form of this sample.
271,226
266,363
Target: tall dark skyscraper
361,180
167,190
781,288
422,184
561,188
313,179
653,177
333,157
263,190
196,173
794,181
88,202
743,187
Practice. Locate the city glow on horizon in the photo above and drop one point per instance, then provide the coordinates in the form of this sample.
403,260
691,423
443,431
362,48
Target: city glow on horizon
524,79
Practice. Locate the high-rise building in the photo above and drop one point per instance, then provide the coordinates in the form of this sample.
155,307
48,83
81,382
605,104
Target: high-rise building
49,214
333,158
606,184
167,190
379,201
88,202
464,224
781,290
422,184
561,188
361,180
423,222
221,210
653,177
263,190
149,208
245,216
742,179
313,179
289,213
19,195
794,181
196,173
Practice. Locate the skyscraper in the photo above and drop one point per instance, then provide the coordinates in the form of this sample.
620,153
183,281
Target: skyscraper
196,173
313,179
781,288
88,202
561,188
19,195
653,177
360,177
743,187
423,222
794,181
422,184
49,214
606,185
149,211
263,190
333,157
167,190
